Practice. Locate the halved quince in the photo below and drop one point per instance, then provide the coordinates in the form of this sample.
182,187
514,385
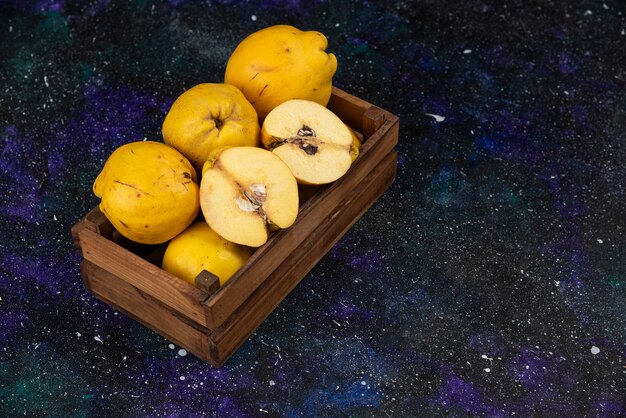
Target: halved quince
246,190
314,143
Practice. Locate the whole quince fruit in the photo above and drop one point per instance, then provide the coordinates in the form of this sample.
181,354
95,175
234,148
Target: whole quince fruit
208,116
148,191
280,63
200,248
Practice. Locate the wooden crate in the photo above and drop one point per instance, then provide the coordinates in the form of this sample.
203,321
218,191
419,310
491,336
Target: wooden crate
212,322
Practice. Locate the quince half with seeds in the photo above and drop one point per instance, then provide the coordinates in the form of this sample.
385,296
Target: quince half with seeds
246,193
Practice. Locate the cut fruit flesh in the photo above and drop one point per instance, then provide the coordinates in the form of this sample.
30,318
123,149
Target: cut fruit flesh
325,166
246,189
220,203
310,139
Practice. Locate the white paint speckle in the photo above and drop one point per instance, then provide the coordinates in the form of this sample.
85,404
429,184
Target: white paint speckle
487,369
171,346
623,32
594,350
182,378
337,25
438,118
363,382
557,283
10,29
54,217
182,352
566,93
253,18
467,51
272,383
97,338
600,241
45,80
605,6
78,334
588,13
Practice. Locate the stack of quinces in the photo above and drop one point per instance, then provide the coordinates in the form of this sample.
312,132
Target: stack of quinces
252,140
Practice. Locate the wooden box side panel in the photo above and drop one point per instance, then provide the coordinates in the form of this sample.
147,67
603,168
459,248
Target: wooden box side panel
147,310
227,338
137,272
268,257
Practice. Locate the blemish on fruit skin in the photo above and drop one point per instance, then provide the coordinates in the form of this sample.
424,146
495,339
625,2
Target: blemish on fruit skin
254,76
262,90
123,224
131,186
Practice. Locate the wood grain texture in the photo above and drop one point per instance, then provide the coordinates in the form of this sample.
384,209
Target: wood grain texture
95,221
227,338
268,257
349,108
172,291
373,119
147,310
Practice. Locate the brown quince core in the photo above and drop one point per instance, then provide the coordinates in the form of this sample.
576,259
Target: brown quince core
305,138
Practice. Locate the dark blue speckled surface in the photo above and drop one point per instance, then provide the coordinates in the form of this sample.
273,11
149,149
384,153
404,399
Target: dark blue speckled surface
488,281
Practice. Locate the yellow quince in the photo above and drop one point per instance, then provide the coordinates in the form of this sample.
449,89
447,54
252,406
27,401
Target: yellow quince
280,63
208,116
200,248
148,191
